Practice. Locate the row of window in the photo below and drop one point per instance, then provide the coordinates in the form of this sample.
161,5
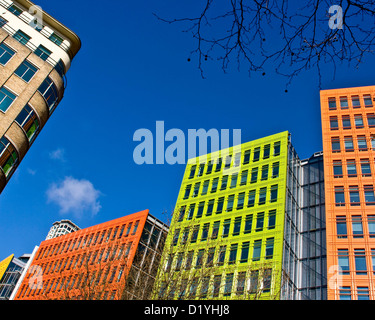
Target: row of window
89,258
81,280
357,196
363,143
89,240
239,225
212,286
351,168
207,208
218,256
356,102
357,226
37,26
230,161
347,124
360,261
47,89
232,181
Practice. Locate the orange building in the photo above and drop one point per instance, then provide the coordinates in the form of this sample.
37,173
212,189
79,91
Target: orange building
117,259
348,126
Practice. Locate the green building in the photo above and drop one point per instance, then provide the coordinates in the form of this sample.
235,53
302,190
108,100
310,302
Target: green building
234,234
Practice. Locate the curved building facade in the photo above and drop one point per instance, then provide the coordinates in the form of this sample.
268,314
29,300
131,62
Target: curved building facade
62,227
35,53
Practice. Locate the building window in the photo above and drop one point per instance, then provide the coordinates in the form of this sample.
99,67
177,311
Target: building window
335,144
233,253
237,159
205,187
334,124
192,171
240,201
26,71
42,52
348,143
256,154
365,168
221,255
6,54
215,182
233,181
355,102
50,93
345,293
15,10
28,120
264,174
224,182
200,209
344,103
204,235
371,225
244,177
367,100
363,293
257,250
210,207
251,199
215,230
351,168
216,288
226,227
354,196
228,161
191,211
220,205
237,226
241,280
209,167
180,216
276,148
346,122
360,261
245,252
230,202
246,158
341,227
262,195
6,99
362,143
332,103
371,120
228,285
248,223
260,222
269,248
271,219
337,169
266,151
275,169
254,175
357,227
187,191
273,194
3,22
339,196
218,165
358,121
21,37
369,195
196,189
343,261
200,170
56,39
194,235
8,156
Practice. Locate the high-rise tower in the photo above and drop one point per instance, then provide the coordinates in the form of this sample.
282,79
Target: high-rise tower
35,53
348,125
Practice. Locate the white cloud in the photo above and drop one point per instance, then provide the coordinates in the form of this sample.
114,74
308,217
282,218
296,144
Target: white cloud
75,196
31,171
58,154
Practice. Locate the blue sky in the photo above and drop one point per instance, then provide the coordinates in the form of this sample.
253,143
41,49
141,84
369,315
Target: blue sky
132,71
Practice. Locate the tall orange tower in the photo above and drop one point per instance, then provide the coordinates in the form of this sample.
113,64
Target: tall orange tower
116,259
348,127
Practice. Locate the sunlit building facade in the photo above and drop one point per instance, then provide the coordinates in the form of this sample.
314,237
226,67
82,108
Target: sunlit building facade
348,126
235,232
115,260
35,53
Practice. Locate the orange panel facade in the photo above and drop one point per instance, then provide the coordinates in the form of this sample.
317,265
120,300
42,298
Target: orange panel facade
348,127
91,263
